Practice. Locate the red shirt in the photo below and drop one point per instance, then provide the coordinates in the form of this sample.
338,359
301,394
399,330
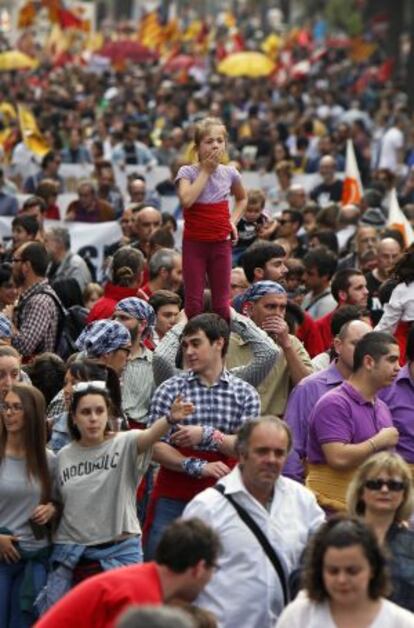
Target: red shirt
145,292
52,212
324,326
309,334
105,306
98,601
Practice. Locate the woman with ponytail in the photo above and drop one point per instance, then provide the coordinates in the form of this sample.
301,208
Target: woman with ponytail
125,275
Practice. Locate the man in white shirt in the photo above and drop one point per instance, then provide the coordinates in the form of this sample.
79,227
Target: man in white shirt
391,154
320,265
246,589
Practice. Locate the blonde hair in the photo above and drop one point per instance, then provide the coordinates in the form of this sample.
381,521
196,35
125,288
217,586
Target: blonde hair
256,196
91,290
393,464
284,165
200,130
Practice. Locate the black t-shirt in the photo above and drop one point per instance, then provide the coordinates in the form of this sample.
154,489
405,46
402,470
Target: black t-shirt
374,303
247,231
326,193
130,154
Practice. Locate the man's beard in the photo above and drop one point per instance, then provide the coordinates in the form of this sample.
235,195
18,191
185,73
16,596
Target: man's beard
18,279
134,334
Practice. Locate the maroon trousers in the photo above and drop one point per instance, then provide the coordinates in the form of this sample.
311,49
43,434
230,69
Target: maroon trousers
211,259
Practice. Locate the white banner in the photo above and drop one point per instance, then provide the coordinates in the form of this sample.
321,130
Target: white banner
87,239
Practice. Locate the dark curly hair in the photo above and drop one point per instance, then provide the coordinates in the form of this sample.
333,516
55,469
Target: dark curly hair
341,532
404,268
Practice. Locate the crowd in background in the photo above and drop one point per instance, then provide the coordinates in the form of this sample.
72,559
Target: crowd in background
140,404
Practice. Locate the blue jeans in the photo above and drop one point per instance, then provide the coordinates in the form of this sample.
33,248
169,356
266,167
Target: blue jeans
11,577
166,510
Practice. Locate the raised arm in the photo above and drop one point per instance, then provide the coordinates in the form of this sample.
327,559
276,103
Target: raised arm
180,409
265,351
163,360
188,192
297,359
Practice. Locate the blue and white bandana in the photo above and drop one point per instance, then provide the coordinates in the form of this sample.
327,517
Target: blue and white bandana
103,337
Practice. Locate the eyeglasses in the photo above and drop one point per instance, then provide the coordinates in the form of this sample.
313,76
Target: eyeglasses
392,485
92,385
13,407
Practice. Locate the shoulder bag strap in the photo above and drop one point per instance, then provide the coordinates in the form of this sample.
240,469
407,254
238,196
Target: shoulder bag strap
318,298
267,548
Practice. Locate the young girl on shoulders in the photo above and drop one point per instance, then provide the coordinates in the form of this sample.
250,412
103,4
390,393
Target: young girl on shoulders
204,190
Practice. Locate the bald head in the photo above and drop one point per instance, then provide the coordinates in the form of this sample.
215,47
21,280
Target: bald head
296,196
137,190
327,167
328,160
346,341
147,220
389,252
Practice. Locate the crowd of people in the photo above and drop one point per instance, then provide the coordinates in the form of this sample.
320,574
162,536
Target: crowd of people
219,420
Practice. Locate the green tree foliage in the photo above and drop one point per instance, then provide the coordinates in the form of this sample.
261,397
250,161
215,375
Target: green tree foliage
344,14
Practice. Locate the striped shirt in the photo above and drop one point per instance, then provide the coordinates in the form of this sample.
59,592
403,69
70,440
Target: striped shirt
138,386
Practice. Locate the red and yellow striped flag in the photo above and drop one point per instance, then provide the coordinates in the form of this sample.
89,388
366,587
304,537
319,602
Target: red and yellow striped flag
151,32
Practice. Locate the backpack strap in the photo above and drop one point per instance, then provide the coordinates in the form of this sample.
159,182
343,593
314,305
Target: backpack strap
62,311
263,540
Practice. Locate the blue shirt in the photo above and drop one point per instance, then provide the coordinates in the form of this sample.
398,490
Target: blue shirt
8,204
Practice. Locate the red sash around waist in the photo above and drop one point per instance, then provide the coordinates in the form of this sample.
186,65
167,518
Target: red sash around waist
401,334
176,485
207,221
181,486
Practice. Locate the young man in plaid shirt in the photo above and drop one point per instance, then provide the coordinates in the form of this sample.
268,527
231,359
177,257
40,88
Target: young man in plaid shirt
36,316
200,451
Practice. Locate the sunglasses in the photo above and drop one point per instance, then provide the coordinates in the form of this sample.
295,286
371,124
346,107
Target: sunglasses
392,485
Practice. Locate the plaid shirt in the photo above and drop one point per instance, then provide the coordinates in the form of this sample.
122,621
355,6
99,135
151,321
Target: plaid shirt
37,320
56,406
223,406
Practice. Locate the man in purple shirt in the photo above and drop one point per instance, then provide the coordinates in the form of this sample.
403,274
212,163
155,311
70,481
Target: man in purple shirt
399,397
305,395
350,423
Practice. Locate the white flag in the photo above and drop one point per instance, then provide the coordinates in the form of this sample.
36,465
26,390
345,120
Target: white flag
398,220
352,190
